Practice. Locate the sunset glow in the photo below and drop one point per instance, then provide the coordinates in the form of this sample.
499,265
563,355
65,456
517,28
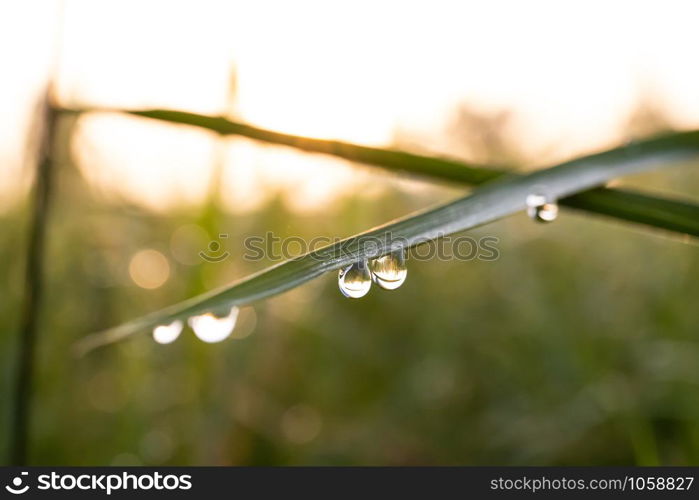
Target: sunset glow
575,75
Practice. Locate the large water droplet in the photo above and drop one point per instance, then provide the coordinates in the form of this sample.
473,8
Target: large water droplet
166,334
389,271
355,280
212,328
541,209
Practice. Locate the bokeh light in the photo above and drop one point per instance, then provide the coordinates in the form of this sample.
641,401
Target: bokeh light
149,268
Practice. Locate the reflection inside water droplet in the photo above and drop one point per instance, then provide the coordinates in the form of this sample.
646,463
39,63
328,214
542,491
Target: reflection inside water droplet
211,328
540,209
355,280
165,334
389,271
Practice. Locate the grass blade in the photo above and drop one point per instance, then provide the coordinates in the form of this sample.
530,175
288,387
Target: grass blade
665,213
488,203
34,280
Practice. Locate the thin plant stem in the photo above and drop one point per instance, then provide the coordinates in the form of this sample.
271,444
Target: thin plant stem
33,287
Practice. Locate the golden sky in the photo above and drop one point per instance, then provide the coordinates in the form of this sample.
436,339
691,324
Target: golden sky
570,72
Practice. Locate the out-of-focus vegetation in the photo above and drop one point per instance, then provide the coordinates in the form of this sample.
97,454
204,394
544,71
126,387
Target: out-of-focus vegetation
578,345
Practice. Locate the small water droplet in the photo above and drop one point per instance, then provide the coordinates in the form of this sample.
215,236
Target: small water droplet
389,271
166,334
541,209
355,280
213,328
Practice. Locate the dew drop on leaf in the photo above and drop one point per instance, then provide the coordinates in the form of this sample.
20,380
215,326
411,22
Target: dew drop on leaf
355,280
541,209
389,271
213,328
166,334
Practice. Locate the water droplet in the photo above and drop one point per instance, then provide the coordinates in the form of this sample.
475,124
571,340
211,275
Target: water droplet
541,209
355,280
166,334
212,328
389,271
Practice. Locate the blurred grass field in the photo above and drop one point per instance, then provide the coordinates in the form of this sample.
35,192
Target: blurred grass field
577,346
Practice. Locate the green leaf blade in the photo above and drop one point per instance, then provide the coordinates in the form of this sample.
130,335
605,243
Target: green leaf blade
488,203
663,213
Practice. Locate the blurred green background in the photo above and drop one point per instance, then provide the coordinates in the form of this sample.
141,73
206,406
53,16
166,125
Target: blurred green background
578,345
